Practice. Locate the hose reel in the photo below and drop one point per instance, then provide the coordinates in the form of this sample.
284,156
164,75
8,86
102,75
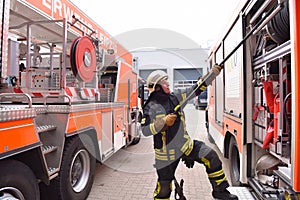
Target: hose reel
83,58
278,27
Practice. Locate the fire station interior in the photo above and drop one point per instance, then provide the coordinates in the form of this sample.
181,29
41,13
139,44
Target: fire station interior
271,68
36,59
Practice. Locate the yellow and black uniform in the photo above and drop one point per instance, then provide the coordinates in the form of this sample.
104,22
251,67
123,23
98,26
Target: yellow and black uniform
172,143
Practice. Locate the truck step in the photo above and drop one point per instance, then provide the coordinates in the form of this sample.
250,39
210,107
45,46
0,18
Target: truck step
45,128
263,191
243,193
53,172
48,149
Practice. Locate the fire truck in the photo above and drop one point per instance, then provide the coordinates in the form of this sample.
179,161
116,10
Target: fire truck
68,99
253,112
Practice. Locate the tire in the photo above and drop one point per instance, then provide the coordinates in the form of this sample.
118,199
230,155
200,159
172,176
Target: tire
234,158
76,176
17,181
209,137
136,140
137,127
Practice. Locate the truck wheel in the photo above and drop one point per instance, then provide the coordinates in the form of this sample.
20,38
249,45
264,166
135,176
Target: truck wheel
136,140
17,181
137,127
78,168
234,157
209,137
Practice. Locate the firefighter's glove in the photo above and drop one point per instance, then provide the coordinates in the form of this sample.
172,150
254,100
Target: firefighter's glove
170,119
218,67
160,124
188,162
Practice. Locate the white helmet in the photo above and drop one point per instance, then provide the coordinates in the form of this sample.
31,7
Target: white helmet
155,77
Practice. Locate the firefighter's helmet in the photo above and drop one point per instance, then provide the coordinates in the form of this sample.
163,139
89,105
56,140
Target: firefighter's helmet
155,77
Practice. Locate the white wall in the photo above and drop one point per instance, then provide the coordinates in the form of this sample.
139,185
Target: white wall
172,59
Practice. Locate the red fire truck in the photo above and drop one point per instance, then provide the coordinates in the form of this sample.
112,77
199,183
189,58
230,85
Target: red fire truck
253,112
68,99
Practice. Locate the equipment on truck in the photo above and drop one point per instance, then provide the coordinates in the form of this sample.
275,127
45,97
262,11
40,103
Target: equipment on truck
72,105
253,104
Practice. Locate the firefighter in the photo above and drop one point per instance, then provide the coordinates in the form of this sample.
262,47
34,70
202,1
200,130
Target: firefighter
172,142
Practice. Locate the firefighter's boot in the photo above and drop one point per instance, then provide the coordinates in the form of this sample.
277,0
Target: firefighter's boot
225,194
220,191
163,190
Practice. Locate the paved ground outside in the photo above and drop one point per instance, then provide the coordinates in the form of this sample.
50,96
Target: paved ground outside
130,175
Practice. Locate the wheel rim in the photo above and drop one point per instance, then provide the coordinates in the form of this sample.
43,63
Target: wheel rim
11,193
80,170
235,159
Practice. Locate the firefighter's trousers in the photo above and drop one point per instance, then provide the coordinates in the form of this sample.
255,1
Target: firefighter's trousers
201,154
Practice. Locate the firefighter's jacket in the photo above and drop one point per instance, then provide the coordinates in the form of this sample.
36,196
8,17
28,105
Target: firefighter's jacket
174,141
